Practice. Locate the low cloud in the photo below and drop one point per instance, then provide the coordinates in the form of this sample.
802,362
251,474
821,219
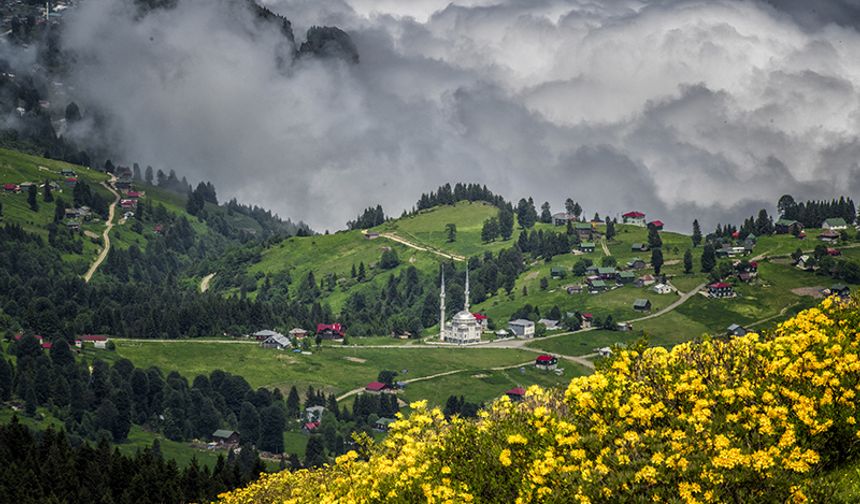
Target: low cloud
682,109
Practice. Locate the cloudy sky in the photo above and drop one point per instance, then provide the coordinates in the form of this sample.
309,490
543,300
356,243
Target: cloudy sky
683,109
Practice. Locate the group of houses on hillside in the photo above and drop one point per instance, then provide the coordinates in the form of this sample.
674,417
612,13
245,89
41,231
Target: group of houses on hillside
96,340
269,338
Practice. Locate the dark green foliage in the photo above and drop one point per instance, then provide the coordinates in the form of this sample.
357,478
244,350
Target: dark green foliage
697,233
47,196
709,259
31,199
451,231
272,421
315,452
387,377
545,213
657,260
654,240
490,230
526,213
249,423
688,261
813,213
389,259
293,403
446,195
371,217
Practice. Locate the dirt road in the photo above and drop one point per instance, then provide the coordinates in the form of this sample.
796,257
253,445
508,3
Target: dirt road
403,241
106,234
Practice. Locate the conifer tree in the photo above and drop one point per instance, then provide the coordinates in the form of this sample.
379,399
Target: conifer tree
697,233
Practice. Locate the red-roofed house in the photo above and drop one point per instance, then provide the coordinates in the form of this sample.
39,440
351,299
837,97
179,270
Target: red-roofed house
546,362
309,427
133,195
634,218
128,203
375,387
11,188
833,252
516,394
482,320
47,345
71,181
330,331
721,290
656,224
587,319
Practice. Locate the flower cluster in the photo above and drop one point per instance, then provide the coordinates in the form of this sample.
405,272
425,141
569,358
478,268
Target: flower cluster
749,419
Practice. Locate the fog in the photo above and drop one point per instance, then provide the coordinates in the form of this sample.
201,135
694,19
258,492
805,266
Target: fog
681,109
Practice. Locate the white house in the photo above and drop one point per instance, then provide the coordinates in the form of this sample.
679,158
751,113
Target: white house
662,288
835,224
522,328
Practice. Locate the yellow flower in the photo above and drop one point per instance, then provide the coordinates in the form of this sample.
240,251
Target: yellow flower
505,457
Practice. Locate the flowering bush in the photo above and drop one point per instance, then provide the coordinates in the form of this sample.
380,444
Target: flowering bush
750,419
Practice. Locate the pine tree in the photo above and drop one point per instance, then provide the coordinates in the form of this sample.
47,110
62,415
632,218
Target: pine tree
657,260
315,452
293,403
697,233
545,213
5,380
361,271
272,429
506,222
654,240
490,230
47,195
451,230
709,259
60,210
610,229
249,424
31,199
688,261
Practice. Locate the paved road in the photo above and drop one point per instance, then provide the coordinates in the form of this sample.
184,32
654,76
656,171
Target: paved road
106,235
403,241
204,284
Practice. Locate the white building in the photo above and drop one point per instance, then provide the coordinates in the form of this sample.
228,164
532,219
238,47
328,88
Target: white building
522,328
464,328
662,288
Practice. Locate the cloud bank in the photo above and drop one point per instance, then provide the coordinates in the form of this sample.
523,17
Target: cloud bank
683,109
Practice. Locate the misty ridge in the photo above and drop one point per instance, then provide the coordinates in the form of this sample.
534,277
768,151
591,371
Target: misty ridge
315,109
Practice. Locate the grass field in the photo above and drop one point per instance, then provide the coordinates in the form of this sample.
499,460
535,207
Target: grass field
335,369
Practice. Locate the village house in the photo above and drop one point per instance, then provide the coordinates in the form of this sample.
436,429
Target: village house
644,281
98,341
636,264
74,226
264,334
70,181
226,438
721,290
642,305
736,330
597,285
482,321
587,320
805,263
639,247
557,272
277,341
787,226
68,173
573,289
607,273
310,427
626,277
375,387
656,224
662,288
586,247
834,224
550,324
501,334
561,219
833,252
12,188
624,327
634,218
584,231
829,236
298,333
516,394
522,328
330,331
604,352
371,235
314,413
128,204
546,362
382,425
731,251
841,290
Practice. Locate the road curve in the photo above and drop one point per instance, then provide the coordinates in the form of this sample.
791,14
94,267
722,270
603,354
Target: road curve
403,241
106,234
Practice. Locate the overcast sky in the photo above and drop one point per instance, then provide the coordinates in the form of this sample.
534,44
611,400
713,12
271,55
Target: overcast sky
682,109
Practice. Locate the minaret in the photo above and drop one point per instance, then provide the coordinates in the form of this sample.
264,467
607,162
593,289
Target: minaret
442,309
466,303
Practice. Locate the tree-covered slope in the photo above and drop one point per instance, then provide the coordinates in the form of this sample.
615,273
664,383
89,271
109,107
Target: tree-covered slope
761,418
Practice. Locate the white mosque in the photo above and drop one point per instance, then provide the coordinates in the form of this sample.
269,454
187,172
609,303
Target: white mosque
464,328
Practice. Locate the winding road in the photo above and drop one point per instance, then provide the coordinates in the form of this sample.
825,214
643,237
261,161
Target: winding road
106,234
403,241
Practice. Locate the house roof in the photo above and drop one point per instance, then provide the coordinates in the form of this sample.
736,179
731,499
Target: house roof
641,302
598,283
93,337
583,226
223,433
606,271
479,316
836,221
280,339
516,391
298,330
734,327
586,245
720,285
656,223
522,322
548,322
311,425
375,386
587,316
638,246
634,214
829,233
786,222
10,187
546,358
336,327
627,274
